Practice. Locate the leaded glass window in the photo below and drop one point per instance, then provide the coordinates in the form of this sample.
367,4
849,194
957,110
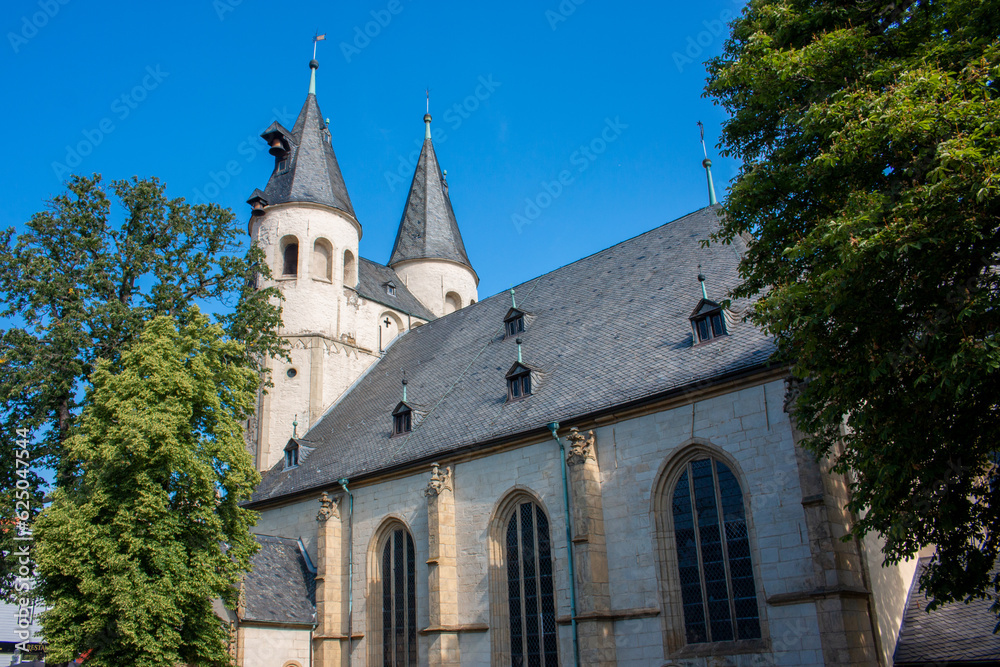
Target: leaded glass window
718,593
530,598
399,601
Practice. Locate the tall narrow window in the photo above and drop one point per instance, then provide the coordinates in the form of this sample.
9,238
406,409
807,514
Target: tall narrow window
290,259
396,591
531,604
717,590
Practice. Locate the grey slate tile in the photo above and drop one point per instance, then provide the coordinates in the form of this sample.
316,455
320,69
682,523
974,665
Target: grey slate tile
606,330
953,634
281,587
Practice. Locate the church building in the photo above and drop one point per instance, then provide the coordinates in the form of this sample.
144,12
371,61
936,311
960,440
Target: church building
595,468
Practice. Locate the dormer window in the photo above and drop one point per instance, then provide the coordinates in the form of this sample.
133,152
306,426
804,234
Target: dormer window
513,323
291,454
707,321
518,382
390,288
402,419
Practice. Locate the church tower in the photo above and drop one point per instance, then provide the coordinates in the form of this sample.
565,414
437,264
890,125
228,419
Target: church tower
429,254
305,223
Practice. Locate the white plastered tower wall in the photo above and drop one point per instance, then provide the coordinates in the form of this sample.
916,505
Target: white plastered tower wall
333,332
442,285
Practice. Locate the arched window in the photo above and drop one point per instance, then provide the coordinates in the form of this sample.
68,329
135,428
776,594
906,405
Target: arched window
350,269
289,256
393,601
452,302
522,605
322,260
706,562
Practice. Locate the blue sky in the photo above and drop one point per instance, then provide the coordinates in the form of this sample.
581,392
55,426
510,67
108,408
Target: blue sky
605,94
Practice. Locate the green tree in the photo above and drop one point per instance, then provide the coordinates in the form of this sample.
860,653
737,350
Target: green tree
77,286
869,137
134,550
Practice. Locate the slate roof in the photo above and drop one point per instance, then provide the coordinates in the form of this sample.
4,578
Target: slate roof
607,330
954,634
313,174
428,229
372,278
281,587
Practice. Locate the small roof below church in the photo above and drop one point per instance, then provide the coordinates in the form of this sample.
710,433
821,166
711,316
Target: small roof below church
281,587
311,172
955,633
428,229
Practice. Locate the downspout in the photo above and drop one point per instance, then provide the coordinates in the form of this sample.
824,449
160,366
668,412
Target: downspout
554,427
350,565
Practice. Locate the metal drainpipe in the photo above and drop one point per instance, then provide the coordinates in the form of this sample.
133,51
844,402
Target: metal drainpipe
350,567
554,427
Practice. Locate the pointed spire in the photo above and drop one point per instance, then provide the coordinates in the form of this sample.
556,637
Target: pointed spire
306,168
707,164
428,229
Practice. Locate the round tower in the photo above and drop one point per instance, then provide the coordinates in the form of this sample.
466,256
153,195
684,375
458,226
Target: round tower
305,223
429,255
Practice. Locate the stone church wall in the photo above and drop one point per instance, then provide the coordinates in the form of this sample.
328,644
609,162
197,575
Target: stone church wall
746,426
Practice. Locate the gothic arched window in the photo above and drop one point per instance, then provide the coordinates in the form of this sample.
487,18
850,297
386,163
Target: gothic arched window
706,559
393,620
523,618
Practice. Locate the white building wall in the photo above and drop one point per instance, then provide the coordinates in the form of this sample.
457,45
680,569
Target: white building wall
431,280
274,646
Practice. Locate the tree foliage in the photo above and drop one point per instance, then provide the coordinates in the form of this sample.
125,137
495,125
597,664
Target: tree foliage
78,285
869,135
133,551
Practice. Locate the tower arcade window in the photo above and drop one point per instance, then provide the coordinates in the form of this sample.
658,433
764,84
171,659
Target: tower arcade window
289,256
350,269
322,260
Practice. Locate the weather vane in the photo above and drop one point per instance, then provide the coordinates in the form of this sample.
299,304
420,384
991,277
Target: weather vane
317,38
704,150
428,91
